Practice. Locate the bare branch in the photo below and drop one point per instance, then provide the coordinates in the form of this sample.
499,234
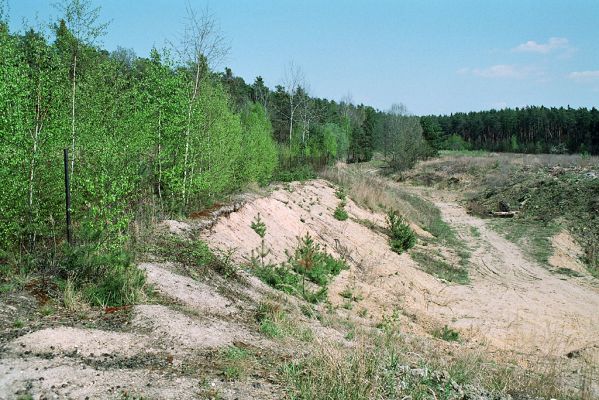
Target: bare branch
202,39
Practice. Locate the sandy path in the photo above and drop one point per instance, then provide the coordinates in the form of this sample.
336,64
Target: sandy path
512,300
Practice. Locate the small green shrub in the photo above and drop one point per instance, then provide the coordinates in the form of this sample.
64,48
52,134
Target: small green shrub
259,226
309,262
299,173
105,276
340,213
447,334
402,237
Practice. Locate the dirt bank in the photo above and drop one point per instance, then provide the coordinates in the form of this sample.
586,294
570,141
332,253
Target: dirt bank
512,303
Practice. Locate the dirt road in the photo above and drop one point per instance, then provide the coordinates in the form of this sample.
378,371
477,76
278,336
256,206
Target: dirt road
512,300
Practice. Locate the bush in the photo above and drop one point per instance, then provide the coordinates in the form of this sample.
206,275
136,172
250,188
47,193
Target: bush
447,334
298,173
402,237
340,213
307,262
106,277
313,263
455,142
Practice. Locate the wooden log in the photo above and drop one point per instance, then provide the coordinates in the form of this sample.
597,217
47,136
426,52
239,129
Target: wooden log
504,214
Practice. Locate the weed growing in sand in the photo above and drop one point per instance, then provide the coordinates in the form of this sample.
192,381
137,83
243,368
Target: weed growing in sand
402,237
350,296
340,213
238,363
447,334
389,323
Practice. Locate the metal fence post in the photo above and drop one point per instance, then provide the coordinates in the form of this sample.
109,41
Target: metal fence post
67,191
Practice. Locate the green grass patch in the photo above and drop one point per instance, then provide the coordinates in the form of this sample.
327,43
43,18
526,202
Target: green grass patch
534,237
433,264
237,361
464,153
340,214
274,321
447,334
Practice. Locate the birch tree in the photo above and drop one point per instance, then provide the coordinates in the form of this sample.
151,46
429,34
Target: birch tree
84,29
202,47
294,83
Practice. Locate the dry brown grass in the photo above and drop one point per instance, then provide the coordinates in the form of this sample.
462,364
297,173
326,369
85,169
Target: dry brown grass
363,184
480,169
387,364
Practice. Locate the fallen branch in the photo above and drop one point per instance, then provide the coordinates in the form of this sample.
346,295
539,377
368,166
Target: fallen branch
504,214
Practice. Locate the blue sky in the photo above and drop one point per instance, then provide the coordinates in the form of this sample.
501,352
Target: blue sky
434,56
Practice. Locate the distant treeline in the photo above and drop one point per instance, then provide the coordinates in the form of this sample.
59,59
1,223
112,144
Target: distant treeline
526,130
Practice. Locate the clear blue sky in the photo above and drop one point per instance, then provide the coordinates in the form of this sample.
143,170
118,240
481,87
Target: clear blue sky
433,56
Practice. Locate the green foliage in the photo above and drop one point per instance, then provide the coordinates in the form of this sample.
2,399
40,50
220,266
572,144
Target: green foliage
447,334
140,142
402,237
402,141
309,262
340,213
105,275
434,264
456,143
528,130
259,153
259,226
299,173
433,133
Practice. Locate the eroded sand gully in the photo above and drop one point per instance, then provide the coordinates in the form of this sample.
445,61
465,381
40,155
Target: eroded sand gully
511,303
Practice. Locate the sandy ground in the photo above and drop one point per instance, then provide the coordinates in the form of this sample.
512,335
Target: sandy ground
567,253
512,303
165,350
